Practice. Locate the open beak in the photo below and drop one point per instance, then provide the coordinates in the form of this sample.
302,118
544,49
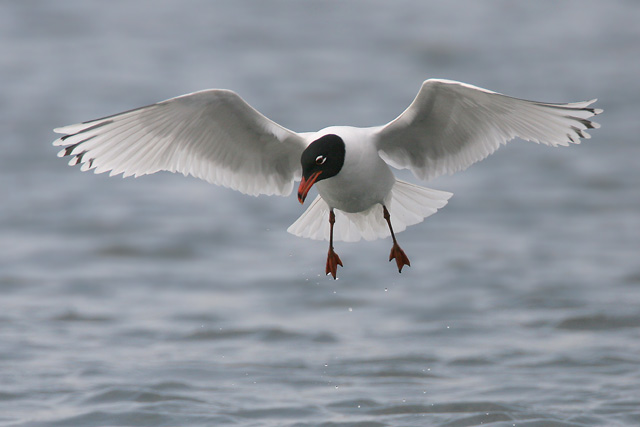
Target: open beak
306,184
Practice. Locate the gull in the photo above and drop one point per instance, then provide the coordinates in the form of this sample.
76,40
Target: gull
216,136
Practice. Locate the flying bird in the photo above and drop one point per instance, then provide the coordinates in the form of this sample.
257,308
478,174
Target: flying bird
216,136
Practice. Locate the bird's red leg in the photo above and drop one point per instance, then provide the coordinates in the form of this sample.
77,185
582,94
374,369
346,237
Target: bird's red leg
396,252
333,260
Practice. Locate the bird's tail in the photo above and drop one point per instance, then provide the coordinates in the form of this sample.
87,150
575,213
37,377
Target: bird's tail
407,203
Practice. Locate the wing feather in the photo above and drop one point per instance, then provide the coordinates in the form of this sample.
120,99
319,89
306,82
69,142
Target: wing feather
451,125
212,134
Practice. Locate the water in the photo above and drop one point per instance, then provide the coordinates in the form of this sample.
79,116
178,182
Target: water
165,301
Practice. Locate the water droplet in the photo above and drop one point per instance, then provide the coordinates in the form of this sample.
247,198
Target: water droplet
350,309
386,289
336,387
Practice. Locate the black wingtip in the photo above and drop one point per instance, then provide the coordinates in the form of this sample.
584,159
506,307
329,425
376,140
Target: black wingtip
70,148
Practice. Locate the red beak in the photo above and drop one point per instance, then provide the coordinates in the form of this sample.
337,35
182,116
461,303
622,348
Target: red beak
306,184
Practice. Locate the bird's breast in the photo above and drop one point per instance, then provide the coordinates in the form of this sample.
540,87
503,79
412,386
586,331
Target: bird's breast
362,182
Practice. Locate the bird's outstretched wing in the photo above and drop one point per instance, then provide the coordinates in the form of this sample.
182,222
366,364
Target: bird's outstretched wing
212,134
451,125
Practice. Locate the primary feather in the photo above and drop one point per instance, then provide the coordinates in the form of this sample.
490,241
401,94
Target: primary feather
451,125
212,134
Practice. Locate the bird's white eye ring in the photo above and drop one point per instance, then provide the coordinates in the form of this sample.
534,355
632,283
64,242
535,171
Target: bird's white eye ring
320,160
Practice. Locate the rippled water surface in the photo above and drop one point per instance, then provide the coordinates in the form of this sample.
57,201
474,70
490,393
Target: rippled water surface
166,301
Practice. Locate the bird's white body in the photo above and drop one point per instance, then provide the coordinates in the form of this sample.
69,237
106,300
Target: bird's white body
216,136
364,180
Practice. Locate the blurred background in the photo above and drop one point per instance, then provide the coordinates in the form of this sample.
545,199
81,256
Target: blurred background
164,300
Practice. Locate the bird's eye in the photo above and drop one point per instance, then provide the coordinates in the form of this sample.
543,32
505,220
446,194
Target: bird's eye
320,160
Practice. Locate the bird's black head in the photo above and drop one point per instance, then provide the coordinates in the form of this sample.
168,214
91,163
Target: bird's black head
322,159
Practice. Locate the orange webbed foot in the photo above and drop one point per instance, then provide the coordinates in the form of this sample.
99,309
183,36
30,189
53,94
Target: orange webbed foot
333,261
401,258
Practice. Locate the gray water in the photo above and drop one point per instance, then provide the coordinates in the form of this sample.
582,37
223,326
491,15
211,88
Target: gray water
166,301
